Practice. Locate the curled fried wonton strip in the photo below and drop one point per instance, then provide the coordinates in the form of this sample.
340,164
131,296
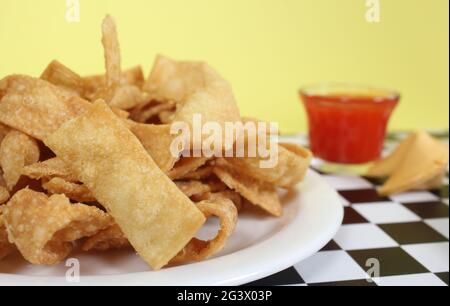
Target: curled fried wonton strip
256,192
196,249
74,191
122,96
110,238
186,165
61,76
16,151
290,169
54,167
43,228
196,88
192,188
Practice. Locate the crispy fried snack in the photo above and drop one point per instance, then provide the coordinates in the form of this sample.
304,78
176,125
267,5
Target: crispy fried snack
418,162
156,139
61,76
4,195
256,192
196,89
5,246
110,238
186,165
293,162
112,163
197,249
133,77
17,150
54,167
192,188
122,96
74,191
36,107
43,228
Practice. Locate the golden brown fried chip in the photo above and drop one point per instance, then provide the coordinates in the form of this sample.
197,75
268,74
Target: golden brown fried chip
43,228
167,116
74,191
133,76
54,167
192,188
198,174
37,107
5,246
110,238
122,176
157,139
126,97
112,55
228,194
59,75
292,165
4,195
122,96
258,193
186,165
146,111
196,89
197,249
4,130
16,151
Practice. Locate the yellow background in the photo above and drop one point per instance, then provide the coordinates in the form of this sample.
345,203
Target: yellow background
267,49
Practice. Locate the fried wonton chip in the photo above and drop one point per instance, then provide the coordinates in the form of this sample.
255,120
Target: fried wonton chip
292,165
157,140
61,76
4,195
5,246
110,238
192,188
122,96
74,191
112,55
4,130
133,77
196,89
198,174
146,111
54,167
197,249
43,228
17,150
122,176
258,193
228,194
167,116
186,165
37,107
418,162
126,97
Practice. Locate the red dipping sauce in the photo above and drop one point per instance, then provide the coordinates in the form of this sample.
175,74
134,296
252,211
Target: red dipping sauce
347,123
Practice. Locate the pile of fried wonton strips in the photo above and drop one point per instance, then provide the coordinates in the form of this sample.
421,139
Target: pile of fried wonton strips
85,162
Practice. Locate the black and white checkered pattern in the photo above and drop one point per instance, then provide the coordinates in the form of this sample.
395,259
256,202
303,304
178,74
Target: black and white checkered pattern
407,233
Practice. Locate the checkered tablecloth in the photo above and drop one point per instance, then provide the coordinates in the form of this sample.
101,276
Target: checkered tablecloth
407,234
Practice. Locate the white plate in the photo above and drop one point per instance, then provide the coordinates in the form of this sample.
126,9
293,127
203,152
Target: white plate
261,246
